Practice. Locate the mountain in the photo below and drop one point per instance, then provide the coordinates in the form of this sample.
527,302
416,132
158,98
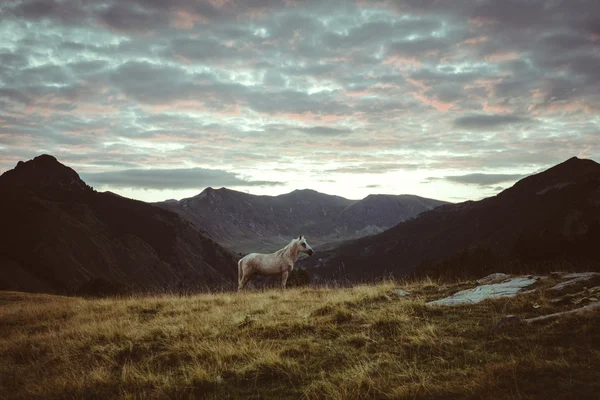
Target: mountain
246,222
59,234
547,220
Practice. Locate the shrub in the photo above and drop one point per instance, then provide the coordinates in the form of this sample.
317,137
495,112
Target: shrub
298,277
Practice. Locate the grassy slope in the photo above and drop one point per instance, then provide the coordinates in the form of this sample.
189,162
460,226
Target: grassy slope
356,343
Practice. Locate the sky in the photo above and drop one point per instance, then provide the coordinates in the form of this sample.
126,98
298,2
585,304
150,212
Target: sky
154,100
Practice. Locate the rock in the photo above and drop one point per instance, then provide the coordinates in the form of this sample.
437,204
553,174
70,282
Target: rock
507,288
508,322
493,278
562,299
557,274
400,292
573,279
576,298
581,310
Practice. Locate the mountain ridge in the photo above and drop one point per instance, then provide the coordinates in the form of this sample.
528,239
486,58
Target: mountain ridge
60,234
246,222
543,220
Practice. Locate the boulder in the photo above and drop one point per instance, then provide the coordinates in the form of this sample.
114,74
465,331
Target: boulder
574,279
508,288
400,292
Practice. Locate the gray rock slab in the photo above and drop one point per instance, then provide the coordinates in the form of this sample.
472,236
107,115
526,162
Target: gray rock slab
508,288
493,278
400,292
580,310
574,278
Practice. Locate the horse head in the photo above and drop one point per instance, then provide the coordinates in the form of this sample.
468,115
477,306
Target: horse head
304,247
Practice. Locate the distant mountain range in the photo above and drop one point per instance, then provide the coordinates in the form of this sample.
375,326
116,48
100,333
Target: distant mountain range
58,234
550,220
250,223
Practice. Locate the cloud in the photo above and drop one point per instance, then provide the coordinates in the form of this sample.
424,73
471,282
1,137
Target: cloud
481,179
380,167
191,178
487,122
325,131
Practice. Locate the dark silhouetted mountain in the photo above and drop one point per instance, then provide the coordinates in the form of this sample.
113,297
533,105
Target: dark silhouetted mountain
58,234
547,220
246,222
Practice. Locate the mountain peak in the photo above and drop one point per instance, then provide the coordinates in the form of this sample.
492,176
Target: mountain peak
572,170
43,171
304,193
575,165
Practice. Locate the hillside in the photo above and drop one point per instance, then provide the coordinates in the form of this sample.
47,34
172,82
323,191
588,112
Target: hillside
356,343
547,220
58,234
246,222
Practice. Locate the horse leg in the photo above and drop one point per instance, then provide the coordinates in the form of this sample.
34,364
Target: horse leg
244,281
284,276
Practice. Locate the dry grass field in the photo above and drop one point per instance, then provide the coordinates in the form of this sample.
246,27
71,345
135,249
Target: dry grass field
305,343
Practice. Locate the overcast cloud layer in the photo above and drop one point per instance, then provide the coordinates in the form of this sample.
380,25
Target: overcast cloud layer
446,99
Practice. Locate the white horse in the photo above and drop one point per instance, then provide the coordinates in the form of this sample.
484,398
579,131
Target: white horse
279,263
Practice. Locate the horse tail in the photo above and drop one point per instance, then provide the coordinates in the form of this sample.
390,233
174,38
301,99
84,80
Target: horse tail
240,272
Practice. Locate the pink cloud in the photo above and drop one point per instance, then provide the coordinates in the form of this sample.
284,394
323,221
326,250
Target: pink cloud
184,19
584,152
310,118
96,109
573,106
481,21
502,57
488,84
193,105
183,59
418,84
403,63
438,105
256,13
359,93
429,100
496,107
474,41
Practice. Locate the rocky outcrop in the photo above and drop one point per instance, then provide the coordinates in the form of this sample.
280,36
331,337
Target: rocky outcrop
572,279
509,287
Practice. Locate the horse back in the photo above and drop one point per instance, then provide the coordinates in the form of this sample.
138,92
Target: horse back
262,263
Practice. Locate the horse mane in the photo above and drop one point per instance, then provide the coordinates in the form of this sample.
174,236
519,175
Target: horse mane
285,249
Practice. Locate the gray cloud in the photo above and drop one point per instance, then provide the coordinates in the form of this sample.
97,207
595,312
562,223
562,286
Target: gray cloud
325,131
375,168
482,179
485,122
191,178
127,17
